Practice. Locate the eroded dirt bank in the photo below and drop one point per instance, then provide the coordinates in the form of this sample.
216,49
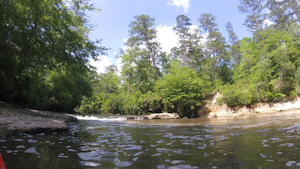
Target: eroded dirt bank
20,120
213,109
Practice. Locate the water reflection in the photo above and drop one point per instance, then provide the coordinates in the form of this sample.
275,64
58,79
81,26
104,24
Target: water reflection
257,142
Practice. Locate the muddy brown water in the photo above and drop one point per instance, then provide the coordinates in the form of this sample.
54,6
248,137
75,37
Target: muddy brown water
258,141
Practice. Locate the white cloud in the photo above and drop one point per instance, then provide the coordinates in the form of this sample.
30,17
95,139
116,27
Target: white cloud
101,64
167,38
181,3
193,27
268,22
105,62
204,39
119,66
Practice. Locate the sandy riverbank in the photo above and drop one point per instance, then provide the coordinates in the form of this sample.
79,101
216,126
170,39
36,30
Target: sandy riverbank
20,120
213,109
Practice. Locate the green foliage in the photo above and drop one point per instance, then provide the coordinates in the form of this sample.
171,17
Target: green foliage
113,104
267,71
182,90
42,40
151,102
293,93
106,87
67,90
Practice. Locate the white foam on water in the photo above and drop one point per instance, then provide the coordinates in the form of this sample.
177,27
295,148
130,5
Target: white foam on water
112,118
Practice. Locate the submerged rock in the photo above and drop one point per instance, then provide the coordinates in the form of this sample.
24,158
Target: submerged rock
164,116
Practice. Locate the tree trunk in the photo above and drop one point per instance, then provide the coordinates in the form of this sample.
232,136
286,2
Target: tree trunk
154,65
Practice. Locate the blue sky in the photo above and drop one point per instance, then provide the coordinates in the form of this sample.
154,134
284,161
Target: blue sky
112,23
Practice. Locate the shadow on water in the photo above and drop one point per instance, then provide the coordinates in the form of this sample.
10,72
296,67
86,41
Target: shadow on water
269,141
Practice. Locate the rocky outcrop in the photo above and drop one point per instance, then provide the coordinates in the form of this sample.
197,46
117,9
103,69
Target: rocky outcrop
137,118
155,116
164,116
20,120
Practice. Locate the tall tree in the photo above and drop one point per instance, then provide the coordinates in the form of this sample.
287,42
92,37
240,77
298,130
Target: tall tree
143,33
215,45
195,53
234,44
255,18
283,12
164,62
181,28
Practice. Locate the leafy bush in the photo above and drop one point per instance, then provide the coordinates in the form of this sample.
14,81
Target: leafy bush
68,90
182,90
293,93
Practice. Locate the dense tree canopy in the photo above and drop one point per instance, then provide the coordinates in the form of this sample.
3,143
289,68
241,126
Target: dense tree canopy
44,52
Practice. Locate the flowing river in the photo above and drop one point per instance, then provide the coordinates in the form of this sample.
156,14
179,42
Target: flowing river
258,141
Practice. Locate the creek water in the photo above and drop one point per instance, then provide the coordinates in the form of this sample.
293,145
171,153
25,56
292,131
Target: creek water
270,141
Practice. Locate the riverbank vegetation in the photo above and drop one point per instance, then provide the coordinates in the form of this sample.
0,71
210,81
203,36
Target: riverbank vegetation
44,60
